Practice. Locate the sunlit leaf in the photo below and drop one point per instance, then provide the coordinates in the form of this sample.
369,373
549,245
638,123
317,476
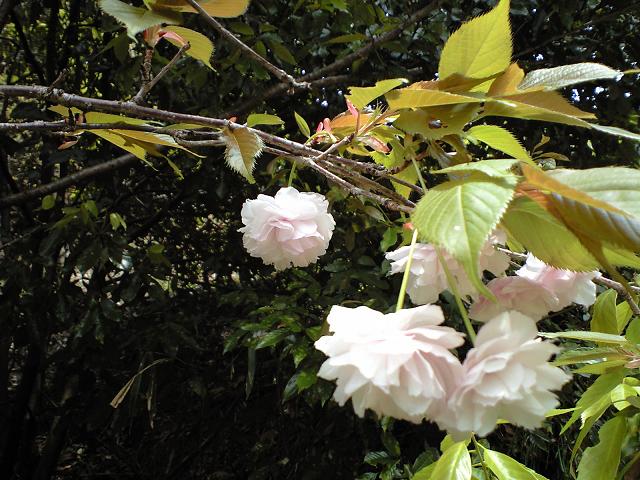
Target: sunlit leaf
134,18
546,237
506,468
559,77
263,119
479,48
508,82
200,47
414,98
302,125
601,461
595,337
454,464
588,217
215,8
501,139
362,96
618,132
459,215
243,146
604,317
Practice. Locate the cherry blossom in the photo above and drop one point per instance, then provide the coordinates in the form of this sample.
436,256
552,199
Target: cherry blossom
291,228
398,364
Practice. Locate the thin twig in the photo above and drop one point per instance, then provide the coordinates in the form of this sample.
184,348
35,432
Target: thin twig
277,72
73,179
147,86
318,75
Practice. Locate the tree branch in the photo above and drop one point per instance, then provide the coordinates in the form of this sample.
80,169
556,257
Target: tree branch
147,86
305,152
69,180
313,78
280,74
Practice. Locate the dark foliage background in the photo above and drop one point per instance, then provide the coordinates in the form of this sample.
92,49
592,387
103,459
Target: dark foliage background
84,308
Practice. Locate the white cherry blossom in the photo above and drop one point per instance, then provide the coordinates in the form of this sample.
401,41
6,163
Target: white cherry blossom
291,228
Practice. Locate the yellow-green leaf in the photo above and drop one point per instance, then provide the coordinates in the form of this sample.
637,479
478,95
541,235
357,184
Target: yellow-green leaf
618,132
559,77
479,48
604,318
200,48
454,464
459,215
302,125
420,97
362,96
263,119
501,139
506,468
48,202
601,461
243,146
134,18
215,8
546,237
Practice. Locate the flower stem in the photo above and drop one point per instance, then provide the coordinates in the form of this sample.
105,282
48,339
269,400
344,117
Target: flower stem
453,287
422,183
407,271
292,173
478,448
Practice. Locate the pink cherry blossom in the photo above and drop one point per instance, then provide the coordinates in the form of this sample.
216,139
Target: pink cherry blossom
505,376
427,277
515,293
569,287
291,228
398,364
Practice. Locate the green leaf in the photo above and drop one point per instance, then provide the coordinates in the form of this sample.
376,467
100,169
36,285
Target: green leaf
596,399
362,96
617,186
302,125
263,119
551,241
215,8
591,219
559,77
282,52
459,215
481,47
243,146
200,48
498,168
601,461
454,464
136,19
604,317
501,139
618,132
272,338
48,202
595,337
506,468
419,97
348,38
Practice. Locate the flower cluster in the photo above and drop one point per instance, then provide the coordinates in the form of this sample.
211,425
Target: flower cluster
427,277
291,228
536,290
400,364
